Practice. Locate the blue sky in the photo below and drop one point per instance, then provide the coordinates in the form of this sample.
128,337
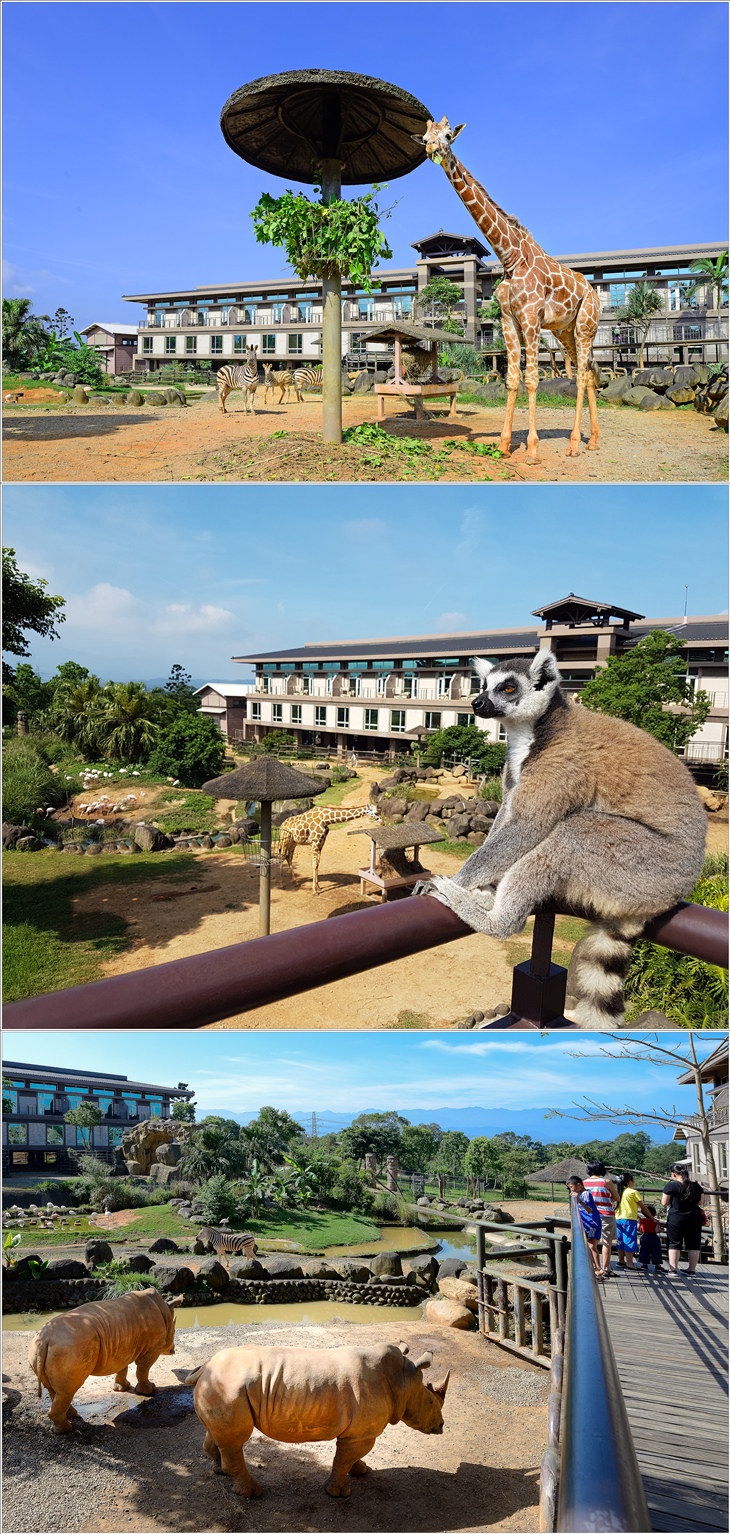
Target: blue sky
351,1072
118,180
196,574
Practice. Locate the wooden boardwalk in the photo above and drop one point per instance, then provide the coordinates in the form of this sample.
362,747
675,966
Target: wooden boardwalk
670,1339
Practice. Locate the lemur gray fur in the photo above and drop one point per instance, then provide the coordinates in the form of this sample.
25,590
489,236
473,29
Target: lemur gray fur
597,816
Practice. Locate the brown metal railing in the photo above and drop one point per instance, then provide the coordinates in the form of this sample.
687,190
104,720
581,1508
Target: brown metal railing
208,987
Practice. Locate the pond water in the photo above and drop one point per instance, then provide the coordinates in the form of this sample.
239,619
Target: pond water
312,1312
408,1238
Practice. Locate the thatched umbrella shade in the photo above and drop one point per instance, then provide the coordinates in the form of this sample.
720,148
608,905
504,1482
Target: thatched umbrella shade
265,779
349,129
559,1172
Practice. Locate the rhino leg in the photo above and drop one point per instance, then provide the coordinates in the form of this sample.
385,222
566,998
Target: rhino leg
234,1464
61,1410
144,1385
120,1380
349,1456
210,1447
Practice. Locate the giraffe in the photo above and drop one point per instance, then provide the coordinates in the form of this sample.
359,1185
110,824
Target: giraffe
537,293
311,829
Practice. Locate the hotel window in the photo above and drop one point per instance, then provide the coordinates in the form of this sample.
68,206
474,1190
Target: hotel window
277,713
464,719
147,344
170,344
54,1134
255,710
398,721
238,344
501,733
343,718
10,1101
191,345
720,1149
115,1135
320,717
381,685
433,721
443,686
410,686
296,713
216,345
304,313
371,719
17,1134
295,345
268,345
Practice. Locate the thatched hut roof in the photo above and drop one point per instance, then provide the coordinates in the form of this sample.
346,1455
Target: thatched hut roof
265,779
406,330
412,833
559,1171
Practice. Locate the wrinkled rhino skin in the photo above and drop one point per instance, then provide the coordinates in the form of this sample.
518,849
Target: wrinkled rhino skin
104,1337
305,1395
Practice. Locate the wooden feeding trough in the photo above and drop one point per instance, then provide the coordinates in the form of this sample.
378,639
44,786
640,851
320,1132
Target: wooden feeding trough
399,387
397,839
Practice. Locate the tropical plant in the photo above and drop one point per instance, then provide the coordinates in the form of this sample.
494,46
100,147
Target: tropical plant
76,713
183,1112
325,239
24,334
214,1147
28,783
689,992
129,721
27,608
270,1134
466,743
273,742
190,748
714,275
491,788
641,686
256,1187
436,302
118,1281
11,1240
417,1147
217,1199
461,356
71,357
642,303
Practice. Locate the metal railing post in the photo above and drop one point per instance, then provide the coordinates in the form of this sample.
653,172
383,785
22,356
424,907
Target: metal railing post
600,1481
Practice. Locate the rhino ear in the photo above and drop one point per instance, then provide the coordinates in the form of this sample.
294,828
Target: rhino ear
424,1362
404,1347
440,1390
176,1302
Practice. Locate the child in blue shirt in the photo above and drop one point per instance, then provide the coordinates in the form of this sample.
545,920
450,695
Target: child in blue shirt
590,1219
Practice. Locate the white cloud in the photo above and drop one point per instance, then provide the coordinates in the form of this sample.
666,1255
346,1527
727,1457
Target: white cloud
449,621
103,606
183,618
114,609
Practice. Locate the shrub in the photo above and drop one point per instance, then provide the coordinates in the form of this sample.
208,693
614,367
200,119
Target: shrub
190,748
217,1199
491,788
385,1205
198,813
118,1282
351,1190
28,783
275,741
690,993
467,743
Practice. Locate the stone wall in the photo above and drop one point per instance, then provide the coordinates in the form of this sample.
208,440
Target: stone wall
43,1295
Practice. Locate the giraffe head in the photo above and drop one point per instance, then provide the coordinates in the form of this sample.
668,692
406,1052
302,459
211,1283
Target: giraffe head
438,139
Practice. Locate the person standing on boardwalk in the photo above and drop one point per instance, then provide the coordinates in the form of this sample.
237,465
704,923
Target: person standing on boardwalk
681,1197
650,1247
627,1219
590,1219
605,1197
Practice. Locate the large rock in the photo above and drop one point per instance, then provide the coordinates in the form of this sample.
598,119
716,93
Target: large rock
150,839
680,394
634,396
22,1268
282,1266
213,1273
565,387
164,1175
172,1279
424,1265
319,1268
28,844
459,825
141,1143
711,801
689,375
458,1289
80,397
386,1264
66,1267
135,397
451,1267
98,1253
616,389
453,805
659,379
164,1244
652,401
418,810
393,807
247,1267
443,1312
354,1272
170,1154
13,834
720,413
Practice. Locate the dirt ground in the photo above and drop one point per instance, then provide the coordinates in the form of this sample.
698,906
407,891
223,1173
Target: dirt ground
220,906
133,1465
110,443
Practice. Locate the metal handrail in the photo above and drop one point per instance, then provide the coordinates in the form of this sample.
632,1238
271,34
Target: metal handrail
208,987
600,1483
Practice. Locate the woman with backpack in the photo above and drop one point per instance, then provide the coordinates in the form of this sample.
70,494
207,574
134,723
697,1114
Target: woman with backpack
681,1198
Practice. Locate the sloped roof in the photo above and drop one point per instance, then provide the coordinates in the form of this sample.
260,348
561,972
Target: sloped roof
265,779
114,328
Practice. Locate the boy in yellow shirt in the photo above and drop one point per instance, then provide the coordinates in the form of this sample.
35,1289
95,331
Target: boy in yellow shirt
627,1220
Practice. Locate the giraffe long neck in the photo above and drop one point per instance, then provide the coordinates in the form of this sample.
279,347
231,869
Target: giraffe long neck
334,813
504,235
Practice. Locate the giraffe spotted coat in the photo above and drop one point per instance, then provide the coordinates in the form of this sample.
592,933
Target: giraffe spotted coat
537,293
311,829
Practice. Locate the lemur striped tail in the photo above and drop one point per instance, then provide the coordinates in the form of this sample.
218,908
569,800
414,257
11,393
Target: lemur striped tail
598,970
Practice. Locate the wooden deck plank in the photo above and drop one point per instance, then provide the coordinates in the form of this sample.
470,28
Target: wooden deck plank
670,1343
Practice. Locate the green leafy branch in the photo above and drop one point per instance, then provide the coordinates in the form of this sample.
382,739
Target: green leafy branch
337,238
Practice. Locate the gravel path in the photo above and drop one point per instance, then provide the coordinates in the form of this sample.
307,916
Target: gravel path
140,1468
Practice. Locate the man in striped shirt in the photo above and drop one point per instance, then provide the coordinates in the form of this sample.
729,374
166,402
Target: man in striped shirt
605,1198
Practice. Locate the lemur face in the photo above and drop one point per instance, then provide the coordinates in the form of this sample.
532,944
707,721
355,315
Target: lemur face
438,138
517,690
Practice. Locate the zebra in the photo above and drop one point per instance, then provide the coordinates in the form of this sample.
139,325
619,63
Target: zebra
245,377
307,378
218,1241
274,380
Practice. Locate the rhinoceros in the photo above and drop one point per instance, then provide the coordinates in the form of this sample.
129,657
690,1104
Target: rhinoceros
104,1337
305,1395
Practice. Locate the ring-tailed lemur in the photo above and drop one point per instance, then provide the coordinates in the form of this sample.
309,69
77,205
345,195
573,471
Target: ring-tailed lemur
244,376
596,816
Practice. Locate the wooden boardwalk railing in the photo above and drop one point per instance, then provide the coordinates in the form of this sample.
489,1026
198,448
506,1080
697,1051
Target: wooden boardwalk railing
670,1340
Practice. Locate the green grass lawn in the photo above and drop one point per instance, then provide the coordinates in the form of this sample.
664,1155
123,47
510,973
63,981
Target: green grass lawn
47,946
311,1230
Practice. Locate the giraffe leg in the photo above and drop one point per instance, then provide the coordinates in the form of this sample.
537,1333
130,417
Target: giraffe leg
531,335
316,854
513,346
583,333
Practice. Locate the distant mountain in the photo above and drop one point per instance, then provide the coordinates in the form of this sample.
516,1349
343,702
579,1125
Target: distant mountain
471,1122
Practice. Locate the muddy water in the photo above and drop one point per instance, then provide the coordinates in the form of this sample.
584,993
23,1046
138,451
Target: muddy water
407,1238
312,1312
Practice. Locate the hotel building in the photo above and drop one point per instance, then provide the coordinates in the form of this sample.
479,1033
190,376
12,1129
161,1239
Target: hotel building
36,1097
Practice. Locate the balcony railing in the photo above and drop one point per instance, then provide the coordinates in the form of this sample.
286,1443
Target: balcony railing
206,988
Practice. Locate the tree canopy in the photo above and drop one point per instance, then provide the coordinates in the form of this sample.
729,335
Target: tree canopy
27,609
641,686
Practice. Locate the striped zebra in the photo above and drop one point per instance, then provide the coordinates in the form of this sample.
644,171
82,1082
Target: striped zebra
245,376
274,381
307,378
218,1241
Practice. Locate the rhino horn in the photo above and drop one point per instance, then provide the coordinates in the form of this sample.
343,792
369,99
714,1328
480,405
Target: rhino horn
440,1390
424,1362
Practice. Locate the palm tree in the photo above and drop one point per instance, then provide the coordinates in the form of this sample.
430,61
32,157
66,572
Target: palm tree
24,336
76,715
642,304
129,719
714,273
